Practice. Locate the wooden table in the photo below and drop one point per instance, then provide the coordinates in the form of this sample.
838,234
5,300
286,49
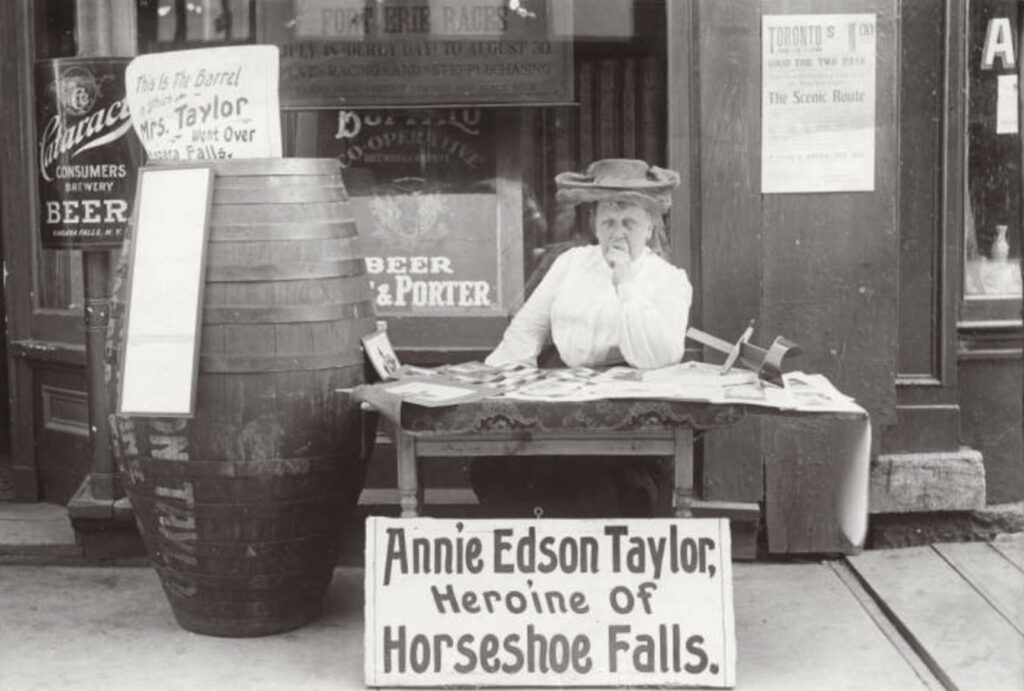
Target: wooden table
505,427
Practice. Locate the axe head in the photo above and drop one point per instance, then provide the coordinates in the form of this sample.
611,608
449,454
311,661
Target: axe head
771,366
768,363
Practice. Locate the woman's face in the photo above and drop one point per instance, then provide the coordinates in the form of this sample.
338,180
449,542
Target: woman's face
622,228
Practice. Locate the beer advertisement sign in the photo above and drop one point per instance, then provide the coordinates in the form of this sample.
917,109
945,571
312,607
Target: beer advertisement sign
87,153
549,603
425,196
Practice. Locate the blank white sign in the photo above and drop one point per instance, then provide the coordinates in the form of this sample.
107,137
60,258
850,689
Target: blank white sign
165,291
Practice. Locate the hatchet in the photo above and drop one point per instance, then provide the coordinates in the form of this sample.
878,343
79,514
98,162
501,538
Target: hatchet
767,364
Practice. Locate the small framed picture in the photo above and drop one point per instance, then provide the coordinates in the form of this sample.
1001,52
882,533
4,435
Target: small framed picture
378,348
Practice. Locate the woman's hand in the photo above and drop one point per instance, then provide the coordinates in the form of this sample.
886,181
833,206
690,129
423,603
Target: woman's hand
622,265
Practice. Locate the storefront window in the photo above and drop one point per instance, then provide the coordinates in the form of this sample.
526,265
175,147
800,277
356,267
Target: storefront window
176,24
450,119
57,273
993,208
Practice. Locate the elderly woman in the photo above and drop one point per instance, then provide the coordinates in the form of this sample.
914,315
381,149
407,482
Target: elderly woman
600,304
616,300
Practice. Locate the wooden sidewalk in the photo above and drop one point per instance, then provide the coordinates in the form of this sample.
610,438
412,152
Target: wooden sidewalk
946,616
954,611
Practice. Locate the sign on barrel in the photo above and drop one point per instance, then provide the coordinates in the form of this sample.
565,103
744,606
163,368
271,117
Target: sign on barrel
549,603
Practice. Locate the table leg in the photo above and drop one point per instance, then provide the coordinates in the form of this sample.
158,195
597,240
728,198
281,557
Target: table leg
682,495
410,494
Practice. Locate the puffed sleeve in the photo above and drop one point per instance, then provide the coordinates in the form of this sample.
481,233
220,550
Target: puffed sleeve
654,312
529,330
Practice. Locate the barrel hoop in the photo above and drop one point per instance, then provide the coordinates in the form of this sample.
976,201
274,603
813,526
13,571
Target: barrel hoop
268,581
271,467
333,210
226,364
279,195
252,550
286,314
273,232
292,271
276,166
225,509
273,182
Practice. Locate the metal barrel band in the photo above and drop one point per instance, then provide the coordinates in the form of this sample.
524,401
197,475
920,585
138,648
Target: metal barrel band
227,510
279,195
238,364
294,271
295,545
270,581
241,167
200,469
286,314
271,182
276,213
284,232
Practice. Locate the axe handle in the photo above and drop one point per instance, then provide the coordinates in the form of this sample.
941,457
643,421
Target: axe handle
751,356
710,341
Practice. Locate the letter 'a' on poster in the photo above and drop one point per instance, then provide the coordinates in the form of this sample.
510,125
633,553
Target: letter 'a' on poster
159,355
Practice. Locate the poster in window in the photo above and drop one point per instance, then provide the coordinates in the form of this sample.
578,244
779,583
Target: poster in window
437,52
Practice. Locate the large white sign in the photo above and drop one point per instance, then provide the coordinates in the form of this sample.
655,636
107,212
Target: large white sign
818,103
206,104
549,603
165,297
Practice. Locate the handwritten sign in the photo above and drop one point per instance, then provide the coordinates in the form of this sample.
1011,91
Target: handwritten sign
818,103
206,104
442,52
549,603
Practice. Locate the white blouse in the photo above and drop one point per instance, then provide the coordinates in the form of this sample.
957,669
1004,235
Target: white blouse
591,323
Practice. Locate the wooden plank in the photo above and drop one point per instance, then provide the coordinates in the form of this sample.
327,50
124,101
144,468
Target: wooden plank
730,207
804,464
682,458
960,635
409,488
509,188
922,53
799,627
682,126
830,284
585,96
17,179
995,578
542,447
887,627
1011,547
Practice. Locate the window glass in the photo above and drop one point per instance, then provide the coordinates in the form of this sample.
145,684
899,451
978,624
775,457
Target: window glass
177,24
992,242
450,119
456,201
56,274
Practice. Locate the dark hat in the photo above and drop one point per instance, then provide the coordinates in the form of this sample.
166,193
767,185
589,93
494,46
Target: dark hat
619,179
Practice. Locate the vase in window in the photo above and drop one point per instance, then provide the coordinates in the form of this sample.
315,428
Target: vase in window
1000,246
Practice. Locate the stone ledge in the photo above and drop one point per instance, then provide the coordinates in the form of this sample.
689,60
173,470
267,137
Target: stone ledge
923,482
910,530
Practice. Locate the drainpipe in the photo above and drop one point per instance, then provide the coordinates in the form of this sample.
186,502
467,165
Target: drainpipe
104,28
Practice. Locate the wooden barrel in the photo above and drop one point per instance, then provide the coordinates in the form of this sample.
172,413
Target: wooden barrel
241,506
